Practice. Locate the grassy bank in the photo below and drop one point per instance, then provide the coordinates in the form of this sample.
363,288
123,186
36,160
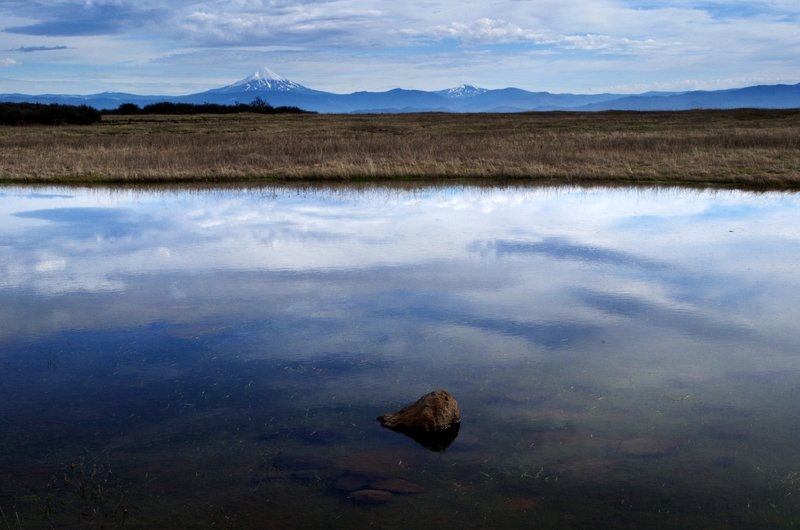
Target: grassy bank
743,148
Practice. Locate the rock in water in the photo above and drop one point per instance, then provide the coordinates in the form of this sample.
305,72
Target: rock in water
435,411
433,421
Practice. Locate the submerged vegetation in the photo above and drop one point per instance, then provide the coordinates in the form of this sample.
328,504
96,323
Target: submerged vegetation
736,148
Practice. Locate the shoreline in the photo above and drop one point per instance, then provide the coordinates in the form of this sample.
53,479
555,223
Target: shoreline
398,183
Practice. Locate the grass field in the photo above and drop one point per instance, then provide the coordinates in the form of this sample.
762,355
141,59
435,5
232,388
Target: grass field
757,149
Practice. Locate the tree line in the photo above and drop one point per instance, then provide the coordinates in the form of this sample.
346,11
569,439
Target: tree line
258,106
58,114
43,114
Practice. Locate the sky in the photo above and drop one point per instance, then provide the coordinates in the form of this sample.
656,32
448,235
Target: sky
580,46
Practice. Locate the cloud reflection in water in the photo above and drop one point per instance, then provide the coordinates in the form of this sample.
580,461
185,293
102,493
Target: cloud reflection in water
542,266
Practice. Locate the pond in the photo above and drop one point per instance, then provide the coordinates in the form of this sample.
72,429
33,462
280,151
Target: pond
188,359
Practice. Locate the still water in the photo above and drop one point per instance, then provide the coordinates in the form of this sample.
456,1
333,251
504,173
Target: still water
622,358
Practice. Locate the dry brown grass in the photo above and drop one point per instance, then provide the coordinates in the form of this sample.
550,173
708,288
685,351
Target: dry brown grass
744,148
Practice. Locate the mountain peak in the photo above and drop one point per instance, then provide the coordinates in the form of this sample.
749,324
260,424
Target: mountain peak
263,80
265,74
462,91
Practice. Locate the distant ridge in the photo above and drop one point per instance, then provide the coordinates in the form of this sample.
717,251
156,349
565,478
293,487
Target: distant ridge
279,91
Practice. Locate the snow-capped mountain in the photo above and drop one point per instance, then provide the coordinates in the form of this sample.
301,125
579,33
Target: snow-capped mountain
279,91
462,91
264,80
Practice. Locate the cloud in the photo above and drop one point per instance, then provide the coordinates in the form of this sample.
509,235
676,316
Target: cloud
599,261
496,31
315,25
488,30
346,45
7,62
67,19
31,49
606,43
560,248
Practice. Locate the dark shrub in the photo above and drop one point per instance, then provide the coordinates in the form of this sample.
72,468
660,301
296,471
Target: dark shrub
53,114
127,109
258,106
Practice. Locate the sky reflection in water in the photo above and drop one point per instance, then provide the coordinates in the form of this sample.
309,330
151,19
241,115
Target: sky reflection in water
571,324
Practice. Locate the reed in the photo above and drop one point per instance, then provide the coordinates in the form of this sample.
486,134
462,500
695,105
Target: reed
740,148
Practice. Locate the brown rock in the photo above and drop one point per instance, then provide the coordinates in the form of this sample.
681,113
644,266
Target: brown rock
370,496
432,412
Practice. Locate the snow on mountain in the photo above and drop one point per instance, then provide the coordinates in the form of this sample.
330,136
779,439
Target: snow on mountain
264,80
279,91
462,91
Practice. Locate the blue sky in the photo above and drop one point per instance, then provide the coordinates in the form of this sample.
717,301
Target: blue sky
151,47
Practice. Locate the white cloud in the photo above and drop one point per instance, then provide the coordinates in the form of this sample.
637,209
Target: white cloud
51,265
488,30
606,43
317,24
7,62
496,31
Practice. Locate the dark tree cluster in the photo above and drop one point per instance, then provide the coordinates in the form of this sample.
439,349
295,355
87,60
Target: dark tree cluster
53,114
258,106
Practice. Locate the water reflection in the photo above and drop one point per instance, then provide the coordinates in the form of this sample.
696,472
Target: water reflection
219,357
436,441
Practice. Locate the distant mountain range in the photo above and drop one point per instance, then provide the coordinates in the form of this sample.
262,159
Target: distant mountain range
278,91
